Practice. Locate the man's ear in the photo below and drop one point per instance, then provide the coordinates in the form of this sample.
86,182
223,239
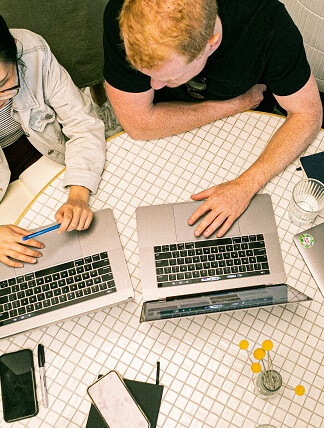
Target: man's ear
214,41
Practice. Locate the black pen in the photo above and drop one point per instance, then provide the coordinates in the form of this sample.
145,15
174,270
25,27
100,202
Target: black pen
41,364
157,373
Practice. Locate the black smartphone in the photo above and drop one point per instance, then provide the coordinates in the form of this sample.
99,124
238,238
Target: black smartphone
18,386
313,165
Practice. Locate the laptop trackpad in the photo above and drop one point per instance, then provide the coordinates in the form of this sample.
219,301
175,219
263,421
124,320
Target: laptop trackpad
58,249
184,232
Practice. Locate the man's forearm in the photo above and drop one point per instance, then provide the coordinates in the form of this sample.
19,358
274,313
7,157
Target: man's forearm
289,141
168,118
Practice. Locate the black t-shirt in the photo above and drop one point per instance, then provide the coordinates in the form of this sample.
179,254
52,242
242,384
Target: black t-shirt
260,44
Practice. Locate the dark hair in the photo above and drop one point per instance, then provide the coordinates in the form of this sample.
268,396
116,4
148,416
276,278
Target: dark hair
8,48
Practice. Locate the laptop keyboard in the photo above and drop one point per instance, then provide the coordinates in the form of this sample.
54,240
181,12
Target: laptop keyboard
210,260
55,287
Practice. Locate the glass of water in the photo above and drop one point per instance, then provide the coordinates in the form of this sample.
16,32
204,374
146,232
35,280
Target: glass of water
307,201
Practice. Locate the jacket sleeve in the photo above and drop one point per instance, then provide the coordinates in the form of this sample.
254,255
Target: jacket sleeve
85,145
4,174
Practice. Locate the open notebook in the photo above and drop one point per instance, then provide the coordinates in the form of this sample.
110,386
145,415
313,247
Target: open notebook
21,192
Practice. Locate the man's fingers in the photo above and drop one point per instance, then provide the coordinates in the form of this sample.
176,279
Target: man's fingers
202,195
228,223
210,217
201,210
219,220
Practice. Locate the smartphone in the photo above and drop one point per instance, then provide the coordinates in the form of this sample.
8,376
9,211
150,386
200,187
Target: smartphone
18,386
116,404
313,166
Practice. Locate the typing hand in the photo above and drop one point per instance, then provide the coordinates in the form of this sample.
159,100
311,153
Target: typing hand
12,246
225,203
75,214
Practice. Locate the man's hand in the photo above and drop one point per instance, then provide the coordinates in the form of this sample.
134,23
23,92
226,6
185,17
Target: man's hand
75,214
253,97
12,246
225,203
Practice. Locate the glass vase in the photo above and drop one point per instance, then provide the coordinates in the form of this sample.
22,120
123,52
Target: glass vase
267,384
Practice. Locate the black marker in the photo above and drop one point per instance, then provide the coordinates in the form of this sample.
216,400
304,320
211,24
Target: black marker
157,373
41,363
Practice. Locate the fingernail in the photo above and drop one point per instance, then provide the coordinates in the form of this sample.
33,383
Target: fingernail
33,260
42,246
196,233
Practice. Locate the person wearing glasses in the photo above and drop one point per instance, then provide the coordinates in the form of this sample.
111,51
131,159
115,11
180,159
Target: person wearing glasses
174,65
42,113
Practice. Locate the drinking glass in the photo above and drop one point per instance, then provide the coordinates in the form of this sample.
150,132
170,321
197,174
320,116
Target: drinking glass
306,202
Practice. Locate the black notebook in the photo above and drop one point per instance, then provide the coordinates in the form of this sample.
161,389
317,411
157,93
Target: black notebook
147,395
313,165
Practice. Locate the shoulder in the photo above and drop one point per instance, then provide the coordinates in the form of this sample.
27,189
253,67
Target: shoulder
113,8
246,10
29,40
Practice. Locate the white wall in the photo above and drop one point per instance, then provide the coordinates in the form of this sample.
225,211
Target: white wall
308,15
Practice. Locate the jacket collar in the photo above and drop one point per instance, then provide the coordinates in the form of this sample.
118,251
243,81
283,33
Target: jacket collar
25,99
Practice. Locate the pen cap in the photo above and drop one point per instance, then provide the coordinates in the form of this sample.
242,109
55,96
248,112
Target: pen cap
41,355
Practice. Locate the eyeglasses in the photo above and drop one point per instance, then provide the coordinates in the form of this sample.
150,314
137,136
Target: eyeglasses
6,94
196,85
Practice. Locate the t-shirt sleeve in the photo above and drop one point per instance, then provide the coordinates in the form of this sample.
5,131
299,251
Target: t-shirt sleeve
287,69
117,70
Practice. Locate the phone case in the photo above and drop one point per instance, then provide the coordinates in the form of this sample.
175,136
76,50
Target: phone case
114,414
313,166
29,398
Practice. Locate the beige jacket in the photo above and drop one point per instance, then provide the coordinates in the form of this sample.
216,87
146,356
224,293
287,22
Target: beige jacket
55,117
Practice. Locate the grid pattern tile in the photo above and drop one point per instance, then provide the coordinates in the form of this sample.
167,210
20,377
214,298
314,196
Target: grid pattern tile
207,378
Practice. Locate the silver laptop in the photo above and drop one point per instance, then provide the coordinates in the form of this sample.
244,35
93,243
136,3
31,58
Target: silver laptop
79,272
183,275
310,244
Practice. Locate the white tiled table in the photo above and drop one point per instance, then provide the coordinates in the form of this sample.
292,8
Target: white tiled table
207,378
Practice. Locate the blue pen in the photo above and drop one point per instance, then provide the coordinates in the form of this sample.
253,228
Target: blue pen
41,232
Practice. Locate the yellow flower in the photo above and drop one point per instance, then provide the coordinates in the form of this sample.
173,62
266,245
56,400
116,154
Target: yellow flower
299,390
259,354
267,345
256,367
244,344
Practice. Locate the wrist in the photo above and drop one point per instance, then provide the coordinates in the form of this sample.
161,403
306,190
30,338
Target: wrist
249,183
79,192
241,103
